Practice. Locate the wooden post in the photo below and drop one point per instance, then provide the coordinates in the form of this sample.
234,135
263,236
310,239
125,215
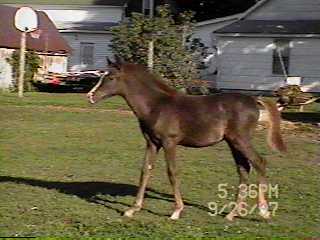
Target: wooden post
150,54
22,63
151,42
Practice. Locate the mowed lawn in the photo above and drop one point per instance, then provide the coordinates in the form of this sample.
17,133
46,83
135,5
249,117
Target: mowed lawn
70,169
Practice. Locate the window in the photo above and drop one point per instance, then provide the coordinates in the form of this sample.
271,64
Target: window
281,57
87,53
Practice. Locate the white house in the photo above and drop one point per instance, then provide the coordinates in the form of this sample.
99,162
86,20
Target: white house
204,31
85,24
274,43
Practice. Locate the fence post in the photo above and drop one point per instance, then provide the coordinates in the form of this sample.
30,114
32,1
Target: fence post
22,63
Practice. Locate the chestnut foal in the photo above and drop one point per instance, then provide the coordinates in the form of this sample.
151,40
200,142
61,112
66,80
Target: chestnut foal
168,118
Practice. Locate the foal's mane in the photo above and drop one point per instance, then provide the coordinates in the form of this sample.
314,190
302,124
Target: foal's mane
147,78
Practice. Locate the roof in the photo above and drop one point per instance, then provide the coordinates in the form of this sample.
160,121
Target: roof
50,40
272,27
69,2
237,16
86,26
219,20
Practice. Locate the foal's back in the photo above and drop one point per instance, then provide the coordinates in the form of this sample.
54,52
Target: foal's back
200,121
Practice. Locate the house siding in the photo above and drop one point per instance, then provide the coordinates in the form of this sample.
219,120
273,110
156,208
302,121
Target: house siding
6,79
287,10
246,63
304,62
204,32
101,49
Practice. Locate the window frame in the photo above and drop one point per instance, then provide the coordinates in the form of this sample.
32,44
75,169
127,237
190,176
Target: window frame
83,59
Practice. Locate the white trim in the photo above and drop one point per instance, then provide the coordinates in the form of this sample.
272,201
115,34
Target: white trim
236,17
218,20
58,53
83,31
253,8
270,35
58,7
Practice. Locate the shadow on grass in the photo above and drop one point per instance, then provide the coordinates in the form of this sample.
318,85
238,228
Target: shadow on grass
92,191
304,117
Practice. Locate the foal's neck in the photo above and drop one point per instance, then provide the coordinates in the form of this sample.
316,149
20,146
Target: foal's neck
142,99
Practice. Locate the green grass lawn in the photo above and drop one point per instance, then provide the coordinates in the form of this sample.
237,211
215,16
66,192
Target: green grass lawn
70,169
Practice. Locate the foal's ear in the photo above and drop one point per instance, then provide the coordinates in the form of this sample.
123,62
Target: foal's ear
113,64
109,62
119,60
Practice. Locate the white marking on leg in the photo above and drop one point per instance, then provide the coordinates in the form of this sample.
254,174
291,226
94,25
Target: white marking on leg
264,210
175,215
91,98
129,213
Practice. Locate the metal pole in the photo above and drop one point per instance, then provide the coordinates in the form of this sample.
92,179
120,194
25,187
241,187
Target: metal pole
151,3
22,63
151,42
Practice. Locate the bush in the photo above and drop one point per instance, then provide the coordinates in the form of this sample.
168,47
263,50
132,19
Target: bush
176,59
292,95
32,64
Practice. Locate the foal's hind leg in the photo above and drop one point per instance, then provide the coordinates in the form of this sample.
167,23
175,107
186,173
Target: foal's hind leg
243,145
170,156
243,168
150,156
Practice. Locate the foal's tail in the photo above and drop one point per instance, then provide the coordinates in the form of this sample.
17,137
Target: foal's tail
274,137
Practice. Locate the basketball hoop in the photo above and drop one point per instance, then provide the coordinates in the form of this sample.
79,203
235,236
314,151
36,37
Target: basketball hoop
26,19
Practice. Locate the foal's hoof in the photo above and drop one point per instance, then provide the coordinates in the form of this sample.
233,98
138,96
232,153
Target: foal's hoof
264,211
176,214
265,215
174,217
129,213
230,216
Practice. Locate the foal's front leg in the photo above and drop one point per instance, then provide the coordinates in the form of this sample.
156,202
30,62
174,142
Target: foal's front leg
170,156
149,159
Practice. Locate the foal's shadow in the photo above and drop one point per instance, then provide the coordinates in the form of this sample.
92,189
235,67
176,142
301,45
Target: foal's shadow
93,192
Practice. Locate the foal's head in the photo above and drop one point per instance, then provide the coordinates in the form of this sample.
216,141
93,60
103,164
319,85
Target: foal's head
125,78
110,83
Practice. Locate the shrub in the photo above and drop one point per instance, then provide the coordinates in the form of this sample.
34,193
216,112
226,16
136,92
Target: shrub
176,59
32,64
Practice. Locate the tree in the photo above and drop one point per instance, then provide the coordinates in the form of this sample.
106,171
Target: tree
33,62
174,58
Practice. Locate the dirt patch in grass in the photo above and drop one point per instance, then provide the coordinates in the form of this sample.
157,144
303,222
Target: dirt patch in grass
77,109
